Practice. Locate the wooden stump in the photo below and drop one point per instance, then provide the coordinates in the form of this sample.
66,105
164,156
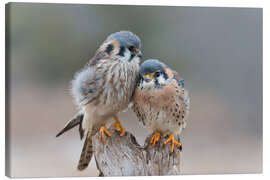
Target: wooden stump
123,156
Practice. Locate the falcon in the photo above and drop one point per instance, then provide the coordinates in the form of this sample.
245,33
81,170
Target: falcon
103,88
161,102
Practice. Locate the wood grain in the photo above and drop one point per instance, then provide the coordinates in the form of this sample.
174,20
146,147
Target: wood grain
123,156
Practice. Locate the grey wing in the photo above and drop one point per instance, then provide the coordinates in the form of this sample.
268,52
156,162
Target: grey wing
86,83
85,86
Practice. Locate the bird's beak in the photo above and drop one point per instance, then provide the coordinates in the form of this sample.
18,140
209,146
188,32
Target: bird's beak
139,53
148,77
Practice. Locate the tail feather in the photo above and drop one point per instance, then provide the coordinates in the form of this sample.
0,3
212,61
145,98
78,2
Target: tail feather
76,120
86,153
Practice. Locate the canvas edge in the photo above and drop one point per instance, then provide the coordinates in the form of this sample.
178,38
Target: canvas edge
7,90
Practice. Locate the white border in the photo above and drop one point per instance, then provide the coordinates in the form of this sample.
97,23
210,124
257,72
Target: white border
213,3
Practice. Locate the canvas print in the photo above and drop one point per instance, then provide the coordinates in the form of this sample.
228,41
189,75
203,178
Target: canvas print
117,90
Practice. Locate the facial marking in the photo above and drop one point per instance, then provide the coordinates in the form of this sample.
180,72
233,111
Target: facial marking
131,57
161,79
152,82
124,54
109,49
121,51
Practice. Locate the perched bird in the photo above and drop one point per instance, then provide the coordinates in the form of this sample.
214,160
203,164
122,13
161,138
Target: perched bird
104,87
161,102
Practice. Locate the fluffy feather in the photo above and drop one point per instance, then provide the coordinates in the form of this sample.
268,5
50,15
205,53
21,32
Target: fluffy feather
105,86
162,107
84,88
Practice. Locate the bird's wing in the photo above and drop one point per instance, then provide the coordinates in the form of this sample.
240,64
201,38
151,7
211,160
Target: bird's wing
181,100
100,54
73,122
85,86
88,81
178,78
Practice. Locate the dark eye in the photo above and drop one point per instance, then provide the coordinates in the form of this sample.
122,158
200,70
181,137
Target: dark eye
157,74
131,48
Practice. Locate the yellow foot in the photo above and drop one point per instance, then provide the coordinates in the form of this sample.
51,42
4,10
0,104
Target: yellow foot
155,138
104,131
118,126
173,141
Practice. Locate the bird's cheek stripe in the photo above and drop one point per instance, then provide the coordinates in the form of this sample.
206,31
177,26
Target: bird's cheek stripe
131,57
121,51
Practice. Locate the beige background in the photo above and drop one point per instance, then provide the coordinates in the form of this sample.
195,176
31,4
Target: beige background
218,51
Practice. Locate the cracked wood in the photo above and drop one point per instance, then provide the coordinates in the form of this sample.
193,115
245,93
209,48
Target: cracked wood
123,156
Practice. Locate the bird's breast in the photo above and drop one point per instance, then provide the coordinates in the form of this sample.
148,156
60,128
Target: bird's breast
118,84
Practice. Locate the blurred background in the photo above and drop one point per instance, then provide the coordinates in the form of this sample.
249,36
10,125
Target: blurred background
218,51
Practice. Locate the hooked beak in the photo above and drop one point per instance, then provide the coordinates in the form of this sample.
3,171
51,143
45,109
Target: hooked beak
148,77
139,53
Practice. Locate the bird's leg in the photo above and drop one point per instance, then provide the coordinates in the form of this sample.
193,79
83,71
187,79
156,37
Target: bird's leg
155,138
173,141
104,131
118,126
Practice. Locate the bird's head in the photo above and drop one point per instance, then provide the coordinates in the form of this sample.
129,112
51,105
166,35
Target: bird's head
152,74
123,45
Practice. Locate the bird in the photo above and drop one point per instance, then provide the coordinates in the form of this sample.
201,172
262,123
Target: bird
103,88
161,102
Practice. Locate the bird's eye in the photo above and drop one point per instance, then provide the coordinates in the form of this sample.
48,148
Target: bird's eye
131,48
157,74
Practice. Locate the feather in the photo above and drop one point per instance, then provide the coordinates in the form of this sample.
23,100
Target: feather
178,78
76,120
100,54
86,153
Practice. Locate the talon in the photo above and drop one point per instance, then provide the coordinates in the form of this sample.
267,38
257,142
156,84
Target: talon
155,138
103,131
118,126
173,142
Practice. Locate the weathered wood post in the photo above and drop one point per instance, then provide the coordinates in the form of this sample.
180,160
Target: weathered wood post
123,156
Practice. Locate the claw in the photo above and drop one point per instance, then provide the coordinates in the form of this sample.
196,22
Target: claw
118,126
155,138
104,131
173,142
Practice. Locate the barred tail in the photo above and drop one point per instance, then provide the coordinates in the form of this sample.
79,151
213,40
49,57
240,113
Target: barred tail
86,153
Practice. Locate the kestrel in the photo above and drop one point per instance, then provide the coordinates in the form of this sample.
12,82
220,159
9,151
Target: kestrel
161,102
104,87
